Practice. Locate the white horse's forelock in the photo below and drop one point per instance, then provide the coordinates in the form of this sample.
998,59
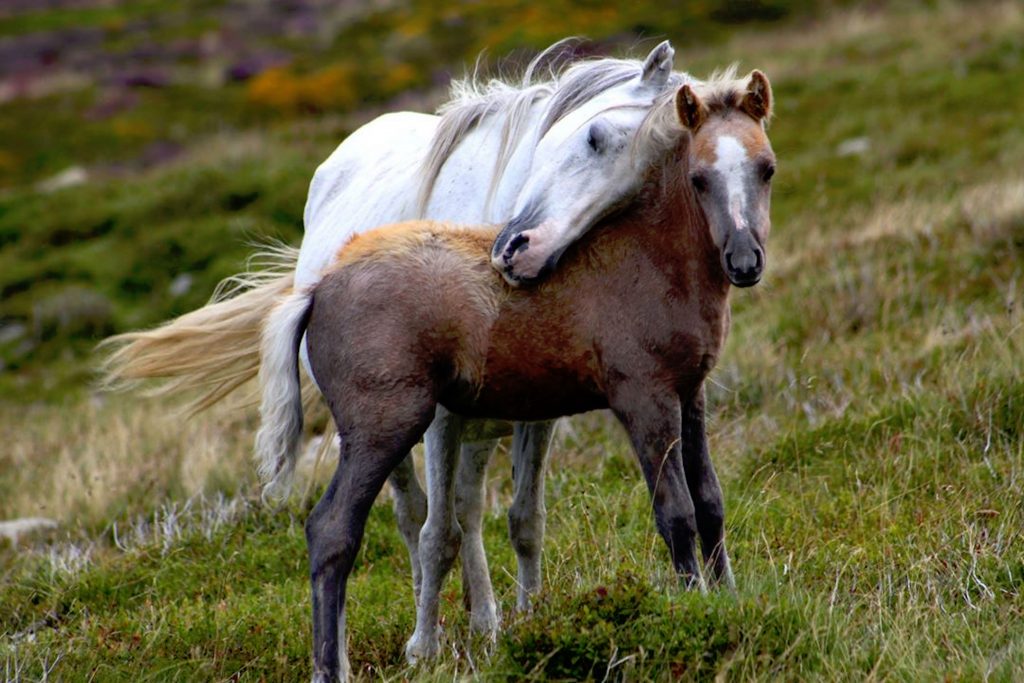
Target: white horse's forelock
567,87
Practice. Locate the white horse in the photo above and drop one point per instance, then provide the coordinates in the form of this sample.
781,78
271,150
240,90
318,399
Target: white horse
556,153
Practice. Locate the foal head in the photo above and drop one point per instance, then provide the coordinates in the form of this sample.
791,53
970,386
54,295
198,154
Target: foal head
731,166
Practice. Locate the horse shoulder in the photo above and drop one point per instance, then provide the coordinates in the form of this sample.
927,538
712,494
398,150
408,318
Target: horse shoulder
371,179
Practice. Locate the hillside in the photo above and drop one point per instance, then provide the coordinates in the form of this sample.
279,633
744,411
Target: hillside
867,419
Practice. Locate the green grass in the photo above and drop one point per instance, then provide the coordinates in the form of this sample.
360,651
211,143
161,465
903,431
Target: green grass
867,418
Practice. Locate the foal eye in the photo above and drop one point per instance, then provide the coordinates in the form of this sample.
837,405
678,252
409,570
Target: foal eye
768,172
700,182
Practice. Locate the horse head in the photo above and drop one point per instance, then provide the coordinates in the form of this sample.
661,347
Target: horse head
731,165
583,167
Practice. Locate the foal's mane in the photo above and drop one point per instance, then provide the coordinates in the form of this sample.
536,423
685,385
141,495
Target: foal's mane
566,87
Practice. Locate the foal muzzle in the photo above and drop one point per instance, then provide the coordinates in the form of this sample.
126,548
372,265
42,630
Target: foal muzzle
743,260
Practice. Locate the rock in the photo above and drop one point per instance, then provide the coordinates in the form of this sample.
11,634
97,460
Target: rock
73,311
853,147
13,530
12,332
180,285
69,177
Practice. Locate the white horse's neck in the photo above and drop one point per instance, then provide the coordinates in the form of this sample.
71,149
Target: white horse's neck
462,192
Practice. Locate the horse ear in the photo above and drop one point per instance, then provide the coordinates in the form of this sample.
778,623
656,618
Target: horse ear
758,100
658,66
692,112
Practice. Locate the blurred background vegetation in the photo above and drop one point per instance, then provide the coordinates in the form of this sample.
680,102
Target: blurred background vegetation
231,105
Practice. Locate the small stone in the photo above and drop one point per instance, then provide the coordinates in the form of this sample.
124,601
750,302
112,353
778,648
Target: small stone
853,147
69,177
181,285
14,529
12,332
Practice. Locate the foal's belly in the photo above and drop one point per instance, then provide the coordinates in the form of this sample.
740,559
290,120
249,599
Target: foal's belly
525,395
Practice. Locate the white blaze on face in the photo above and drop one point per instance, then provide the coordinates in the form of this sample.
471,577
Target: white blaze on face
730,158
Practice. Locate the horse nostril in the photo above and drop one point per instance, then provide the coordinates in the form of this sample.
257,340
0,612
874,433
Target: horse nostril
516,243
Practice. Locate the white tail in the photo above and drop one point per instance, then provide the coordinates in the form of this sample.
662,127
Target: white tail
212,351
281,405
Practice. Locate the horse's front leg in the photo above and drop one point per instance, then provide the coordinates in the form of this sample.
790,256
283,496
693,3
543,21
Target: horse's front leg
652,419
705,490
441,536
469,509
527,515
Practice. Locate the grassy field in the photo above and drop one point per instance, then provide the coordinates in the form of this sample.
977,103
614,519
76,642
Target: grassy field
867,419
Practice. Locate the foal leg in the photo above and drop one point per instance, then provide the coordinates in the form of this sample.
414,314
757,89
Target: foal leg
469,504
527,515
440,537
652,418
411,511
706,491
334,531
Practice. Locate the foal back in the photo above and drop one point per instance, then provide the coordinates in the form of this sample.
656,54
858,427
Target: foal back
404,306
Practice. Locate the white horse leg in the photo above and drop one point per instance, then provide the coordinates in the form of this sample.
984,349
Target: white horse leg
527,516
410,510
440,536
469,503
343,665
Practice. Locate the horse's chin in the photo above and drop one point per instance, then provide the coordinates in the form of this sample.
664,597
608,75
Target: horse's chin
524,280
744,282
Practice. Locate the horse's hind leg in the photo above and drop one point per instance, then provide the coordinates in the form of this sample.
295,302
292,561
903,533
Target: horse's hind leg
469,504
527,515
411,512
440,537
706,491
334,529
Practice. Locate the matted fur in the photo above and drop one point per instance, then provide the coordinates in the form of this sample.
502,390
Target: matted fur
461,253
411,239
209,352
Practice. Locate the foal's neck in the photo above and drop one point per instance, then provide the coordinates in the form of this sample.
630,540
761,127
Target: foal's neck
669,230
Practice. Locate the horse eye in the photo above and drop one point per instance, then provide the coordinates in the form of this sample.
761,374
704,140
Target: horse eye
700,182
768,172
597,137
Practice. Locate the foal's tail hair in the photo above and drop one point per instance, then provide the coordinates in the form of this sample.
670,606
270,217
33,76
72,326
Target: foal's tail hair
281,406
209,352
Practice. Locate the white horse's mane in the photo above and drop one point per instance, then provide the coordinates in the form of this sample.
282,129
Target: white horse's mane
566,87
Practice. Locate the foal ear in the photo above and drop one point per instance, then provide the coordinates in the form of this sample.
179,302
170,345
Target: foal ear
692,112
658,66
757,101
